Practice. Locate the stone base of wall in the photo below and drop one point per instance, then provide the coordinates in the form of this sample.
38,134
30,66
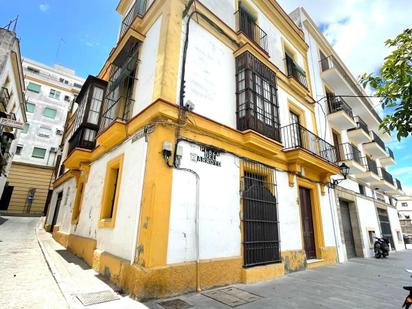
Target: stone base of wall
294,260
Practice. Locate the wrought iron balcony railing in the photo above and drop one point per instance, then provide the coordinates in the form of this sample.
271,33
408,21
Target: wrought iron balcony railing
296,136
248,26
386,176
294,70
377,139
111,111
337,104
138,9
370,165
360,124
398,184
350,152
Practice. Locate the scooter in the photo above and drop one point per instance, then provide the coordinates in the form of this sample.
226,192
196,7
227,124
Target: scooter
408,299
381,247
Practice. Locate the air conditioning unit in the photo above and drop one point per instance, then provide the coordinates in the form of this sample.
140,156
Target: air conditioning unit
59,132
53,149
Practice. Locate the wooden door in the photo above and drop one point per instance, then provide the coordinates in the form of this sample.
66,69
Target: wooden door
307,223
347,229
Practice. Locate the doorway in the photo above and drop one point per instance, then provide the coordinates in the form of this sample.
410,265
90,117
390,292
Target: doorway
6,197
385,226
307,223
347,229
56,210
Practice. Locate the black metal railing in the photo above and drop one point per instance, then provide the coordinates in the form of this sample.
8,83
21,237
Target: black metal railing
390,152
377,139
350,152
112,113
398,184
296,136
4,97
295,71
138,9
247,25
337,104
83,137
370,165
386,176
360,124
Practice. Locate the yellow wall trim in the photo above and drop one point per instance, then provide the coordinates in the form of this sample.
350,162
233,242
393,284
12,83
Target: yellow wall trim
66,176
262,273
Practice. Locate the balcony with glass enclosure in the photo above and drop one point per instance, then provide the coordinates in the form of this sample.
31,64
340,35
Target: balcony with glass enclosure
88,114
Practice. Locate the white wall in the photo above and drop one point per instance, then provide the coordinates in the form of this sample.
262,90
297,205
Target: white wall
368,219
119,240
147,68
395,227
219,209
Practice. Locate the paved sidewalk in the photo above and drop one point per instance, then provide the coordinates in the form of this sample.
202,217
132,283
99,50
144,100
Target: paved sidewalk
358,284
75,277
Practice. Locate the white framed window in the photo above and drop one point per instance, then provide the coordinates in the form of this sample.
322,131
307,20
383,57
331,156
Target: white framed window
55,94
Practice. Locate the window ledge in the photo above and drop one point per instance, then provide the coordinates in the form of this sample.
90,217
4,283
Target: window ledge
106,223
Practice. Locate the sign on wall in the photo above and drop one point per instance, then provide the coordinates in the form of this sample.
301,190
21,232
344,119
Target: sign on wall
11,123
208,156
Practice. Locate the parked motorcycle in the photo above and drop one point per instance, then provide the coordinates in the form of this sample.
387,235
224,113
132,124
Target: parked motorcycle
381,247
408,299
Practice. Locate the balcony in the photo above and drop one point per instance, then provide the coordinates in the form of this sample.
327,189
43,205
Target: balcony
398,184
389,159
385,182
360,133
4,98
138,9
295,71
295,136
340,114
371,174
352,157
376,147
246,24
88,114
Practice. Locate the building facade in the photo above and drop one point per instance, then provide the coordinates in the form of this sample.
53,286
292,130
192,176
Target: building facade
365,201
49,95
194,159
404,206
12,109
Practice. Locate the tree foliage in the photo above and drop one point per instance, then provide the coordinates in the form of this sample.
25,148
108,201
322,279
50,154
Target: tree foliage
394,85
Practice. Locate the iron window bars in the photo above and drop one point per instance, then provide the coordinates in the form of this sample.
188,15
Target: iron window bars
295,71
246,24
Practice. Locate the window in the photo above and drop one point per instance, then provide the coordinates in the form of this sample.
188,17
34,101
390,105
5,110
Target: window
44,132
38,153
257,106
33,70
19,148
95,106
111,192
49,112
34,87
54,94
77,85
362,189
30,107
404,204
25,128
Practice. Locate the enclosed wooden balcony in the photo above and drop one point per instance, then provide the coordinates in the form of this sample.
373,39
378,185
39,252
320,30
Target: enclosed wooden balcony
371,174
340,115
376,147
352,157
360,133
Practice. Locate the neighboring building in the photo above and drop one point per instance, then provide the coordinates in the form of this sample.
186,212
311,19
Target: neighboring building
12,112
365,201
166,194
49,95
404,206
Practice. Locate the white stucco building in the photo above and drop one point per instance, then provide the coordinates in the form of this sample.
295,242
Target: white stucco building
50,92
12,110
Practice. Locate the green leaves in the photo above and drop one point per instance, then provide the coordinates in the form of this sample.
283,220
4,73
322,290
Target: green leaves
394,85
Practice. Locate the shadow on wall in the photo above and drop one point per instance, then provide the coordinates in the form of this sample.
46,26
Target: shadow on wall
70,258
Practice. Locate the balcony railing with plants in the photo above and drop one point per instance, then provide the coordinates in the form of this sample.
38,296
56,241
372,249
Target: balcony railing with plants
295,71
4,97
386,176
360,124
378,140
247,25
296,136
138,9
370,165
350,152
337,104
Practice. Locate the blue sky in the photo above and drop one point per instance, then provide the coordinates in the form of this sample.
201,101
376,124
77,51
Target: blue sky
87,30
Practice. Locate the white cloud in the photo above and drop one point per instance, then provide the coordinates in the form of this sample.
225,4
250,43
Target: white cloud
358,28
44,7
403,171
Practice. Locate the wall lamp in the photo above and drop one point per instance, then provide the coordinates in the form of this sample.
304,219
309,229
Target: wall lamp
344,170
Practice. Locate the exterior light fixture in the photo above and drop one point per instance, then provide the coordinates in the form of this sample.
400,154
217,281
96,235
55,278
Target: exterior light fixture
344,170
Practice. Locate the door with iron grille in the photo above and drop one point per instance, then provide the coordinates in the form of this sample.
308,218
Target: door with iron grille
260,219
307,223
385,226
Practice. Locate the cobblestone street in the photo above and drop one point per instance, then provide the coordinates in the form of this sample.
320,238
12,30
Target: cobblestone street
26,281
